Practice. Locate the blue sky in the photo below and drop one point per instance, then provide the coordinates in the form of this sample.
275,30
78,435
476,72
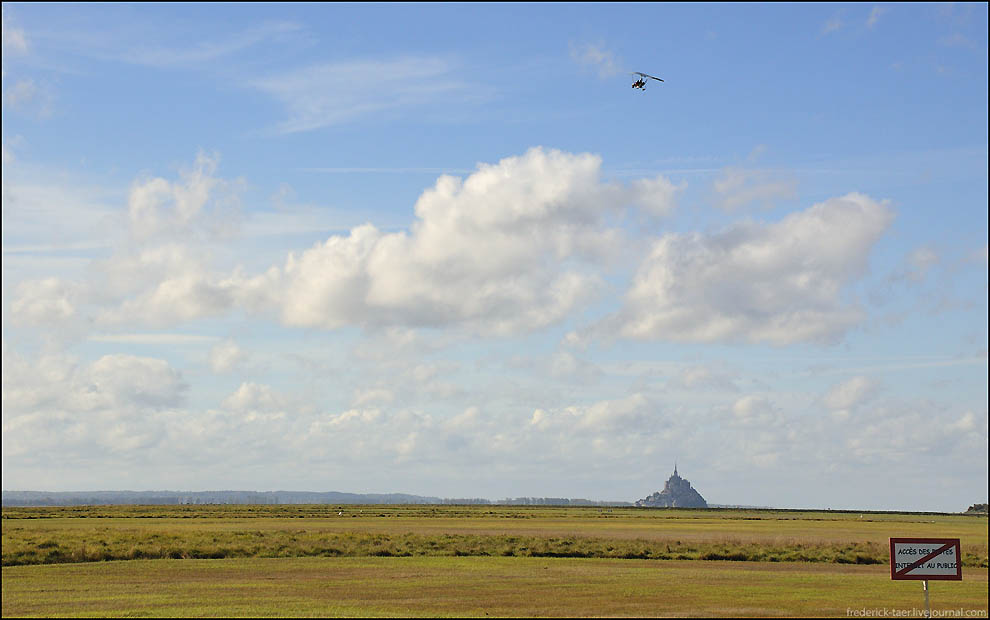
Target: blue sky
447,250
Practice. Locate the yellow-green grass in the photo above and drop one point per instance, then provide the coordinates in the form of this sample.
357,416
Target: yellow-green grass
78,534
477,586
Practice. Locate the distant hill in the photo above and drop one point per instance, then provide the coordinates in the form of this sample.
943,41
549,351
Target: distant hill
101,498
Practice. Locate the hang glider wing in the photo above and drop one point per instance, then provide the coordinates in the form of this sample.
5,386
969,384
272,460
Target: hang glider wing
648,76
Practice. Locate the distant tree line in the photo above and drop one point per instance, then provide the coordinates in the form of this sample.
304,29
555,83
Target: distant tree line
103,498
556,501
458,501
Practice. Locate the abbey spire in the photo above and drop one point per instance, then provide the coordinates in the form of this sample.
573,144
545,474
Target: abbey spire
677,493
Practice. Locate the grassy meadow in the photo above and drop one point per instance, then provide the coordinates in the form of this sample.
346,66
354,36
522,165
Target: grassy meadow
468,560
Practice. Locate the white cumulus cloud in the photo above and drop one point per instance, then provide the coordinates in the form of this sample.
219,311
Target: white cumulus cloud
198,201
226,356
634,414
851,392
779,283
254,397
143,380
513,247
57,405
40,302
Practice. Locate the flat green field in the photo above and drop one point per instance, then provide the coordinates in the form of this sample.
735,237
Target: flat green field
475,586
474,561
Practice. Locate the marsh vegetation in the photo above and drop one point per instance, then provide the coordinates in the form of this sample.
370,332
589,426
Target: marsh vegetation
93,534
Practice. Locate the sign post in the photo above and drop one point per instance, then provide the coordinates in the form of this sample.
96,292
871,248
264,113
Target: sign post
925,559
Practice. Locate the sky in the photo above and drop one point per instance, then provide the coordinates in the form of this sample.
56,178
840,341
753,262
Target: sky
447,250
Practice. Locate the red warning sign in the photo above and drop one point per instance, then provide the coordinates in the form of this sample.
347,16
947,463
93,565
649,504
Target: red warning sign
925,559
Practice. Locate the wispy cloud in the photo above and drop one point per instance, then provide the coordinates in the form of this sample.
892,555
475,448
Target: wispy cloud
901,364
159,45
875,14
740,186
959,40
597,57
380,170
337,92
155,339
14,39
979,255
45,216
31,97
205,51
26,94
832,25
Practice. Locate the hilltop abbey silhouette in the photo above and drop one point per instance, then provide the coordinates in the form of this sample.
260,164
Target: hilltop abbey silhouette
677,493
